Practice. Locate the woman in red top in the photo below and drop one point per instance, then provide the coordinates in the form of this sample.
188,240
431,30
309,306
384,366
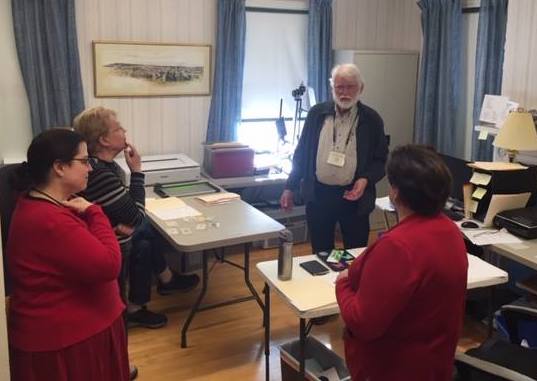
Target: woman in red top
65,318
402,300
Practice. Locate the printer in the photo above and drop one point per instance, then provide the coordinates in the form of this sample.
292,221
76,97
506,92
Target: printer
521,222
161,169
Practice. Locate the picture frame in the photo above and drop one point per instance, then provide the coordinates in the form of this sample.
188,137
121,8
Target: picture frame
147,69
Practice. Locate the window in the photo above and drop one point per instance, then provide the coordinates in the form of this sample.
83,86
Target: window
275,65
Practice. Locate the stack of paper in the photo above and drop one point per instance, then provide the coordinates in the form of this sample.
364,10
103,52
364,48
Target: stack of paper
219,198
496,166
227,145
484,236
170,208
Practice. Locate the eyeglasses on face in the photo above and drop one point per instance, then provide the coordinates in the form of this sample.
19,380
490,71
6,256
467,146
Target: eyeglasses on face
345,87
82,160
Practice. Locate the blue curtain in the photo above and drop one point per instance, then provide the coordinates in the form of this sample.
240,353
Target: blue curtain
320,48
488,65
439,118
45,36
225,112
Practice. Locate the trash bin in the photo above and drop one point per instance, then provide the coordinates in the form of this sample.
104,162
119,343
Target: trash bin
317,356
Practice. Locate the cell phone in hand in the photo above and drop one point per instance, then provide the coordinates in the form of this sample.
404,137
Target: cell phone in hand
314,267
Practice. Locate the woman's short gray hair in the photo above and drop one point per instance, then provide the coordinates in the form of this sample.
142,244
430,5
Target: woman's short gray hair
348,71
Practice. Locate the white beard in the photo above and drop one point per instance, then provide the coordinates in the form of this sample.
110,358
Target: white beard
345,104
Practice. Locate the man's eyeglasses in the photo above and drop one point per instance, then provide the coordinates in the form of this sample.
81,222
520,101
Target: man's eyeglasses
345,87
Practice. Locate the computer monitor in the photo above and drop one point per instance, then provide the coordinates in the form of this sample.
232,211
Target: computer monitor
460,173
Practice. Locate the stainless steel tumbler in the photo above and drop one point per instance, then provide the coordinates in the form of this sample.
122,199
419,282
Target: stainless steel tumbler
285,261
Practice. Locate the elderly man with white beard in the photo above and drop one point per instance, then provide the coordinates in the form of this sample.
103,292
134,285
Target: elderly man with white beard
339,158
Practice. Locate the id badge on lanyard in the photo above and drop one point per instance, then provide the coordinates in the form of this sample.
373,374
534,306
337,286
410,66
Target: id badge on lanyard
336,159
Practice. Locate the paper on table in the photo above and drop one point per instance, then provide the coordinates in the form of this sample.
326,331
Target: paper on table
152,204
384,203
479,193
357,251
496,166
482,237
480,178
299,292
170,208
501,202
218,198
227,145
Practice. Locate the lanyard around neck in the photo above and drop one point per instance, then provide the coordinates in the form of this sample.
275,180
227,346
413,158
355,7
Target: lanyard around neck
351,129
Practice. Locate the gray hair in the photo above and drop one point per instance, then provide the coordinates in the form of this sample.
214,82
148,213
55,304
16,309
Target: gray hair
348,71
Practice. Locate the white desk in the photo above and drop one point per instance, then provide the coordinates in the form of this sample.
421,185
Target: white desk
238,223
524,252
480,274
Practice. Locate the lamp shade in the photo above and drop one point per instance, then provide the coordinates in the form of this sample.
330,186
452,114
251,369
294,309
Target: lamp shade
517,133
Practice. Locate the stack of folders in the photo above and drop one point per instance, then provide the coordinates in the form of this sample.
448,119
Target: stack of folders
218,198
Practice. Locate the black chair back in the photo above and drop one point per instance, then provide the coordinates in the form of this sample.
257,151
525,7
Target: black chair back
8,198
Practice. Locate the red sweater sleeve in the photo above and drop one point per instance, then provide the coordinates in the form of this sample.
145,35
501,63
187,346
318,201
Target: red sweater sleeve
385,282
86,255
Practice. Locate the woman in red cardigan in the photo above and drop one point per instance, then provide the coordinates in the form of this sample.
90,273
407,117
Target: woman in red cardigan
65,318
402,300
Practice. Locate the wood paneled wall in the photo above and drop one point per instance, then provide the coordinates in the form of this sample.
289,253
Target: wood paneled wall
156,125
519,71
376,25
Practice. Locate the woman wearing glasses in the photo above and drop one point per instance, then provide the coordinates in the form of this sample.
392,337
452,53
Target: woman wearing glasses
65,318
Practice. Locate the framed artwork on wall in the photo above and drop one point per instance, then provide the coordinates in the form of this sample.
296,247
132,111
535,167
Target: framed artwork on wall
140,69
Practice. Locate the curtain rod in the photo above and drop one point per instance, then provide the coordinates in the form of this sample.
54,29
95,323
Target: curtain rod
276,10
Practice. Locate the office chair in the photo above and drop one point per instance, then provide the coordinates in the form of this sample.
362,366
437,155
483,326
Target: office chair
8,197
499,359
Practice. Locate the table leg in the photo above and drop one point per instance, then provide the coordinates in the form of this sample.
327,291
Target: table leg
386,221
301,357
266,323
490,311
247,275
204,281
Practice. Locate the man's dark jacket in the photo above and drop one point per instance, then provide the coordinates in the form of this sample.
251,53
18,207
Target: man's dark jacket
371,146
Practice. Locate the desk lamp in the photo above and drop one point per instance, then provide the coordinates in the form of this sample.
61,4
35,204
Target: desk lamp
517,134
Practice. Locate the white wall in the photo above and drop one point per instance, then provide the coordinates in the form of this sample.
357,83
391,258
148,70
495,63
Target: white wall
158,124
376,25
519,73
15,130
4,352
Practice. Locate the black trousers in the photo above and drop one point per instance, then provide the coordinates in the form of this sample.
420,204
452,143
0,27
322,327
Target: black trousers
146,258
331,208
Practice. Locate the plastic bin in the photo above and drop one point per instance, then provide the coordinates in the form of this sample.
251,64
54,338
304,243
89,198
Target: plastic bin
314,349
